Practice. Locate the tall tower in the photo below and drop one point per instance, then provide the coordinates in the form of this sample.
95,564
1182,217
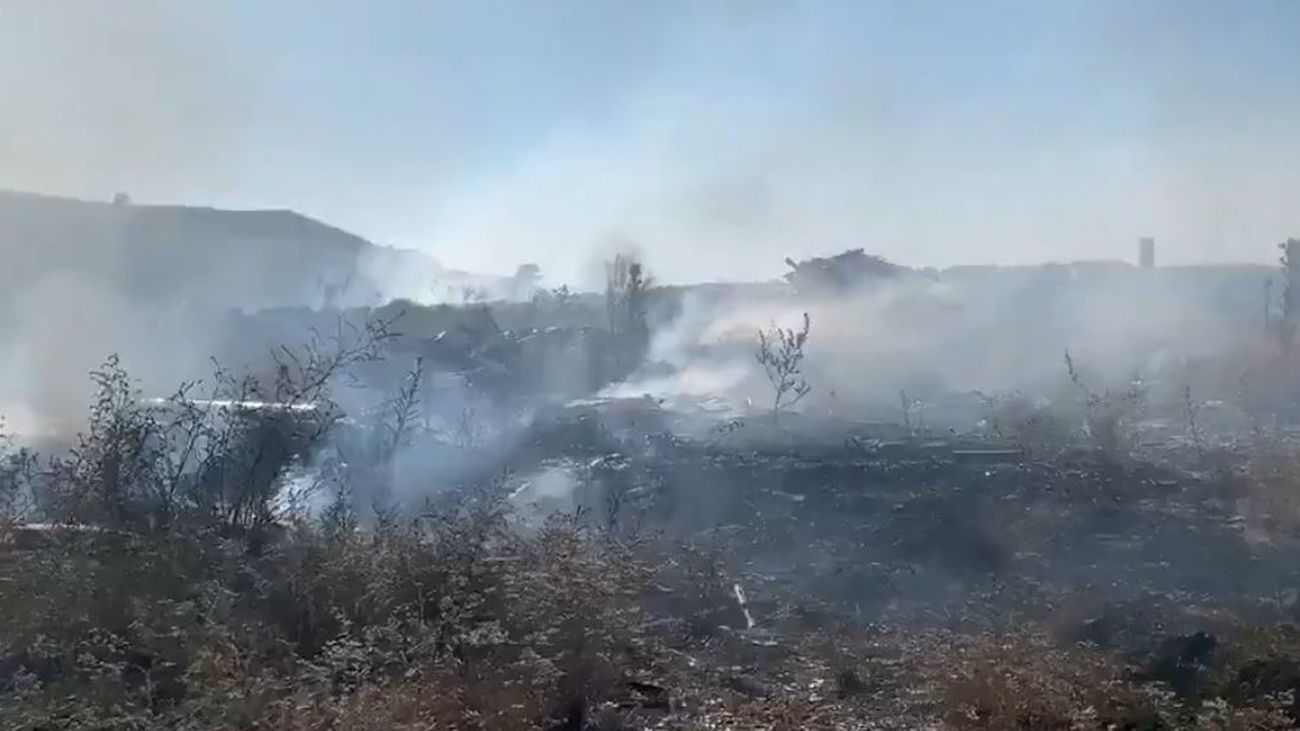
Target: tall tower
1146,252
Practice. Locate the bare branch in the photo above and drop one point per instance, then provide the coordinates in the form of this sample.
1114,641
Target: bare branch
781,354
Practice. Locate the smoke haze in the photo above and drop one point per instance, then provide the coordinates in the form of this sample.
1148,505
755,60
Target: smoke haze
489,134
714,140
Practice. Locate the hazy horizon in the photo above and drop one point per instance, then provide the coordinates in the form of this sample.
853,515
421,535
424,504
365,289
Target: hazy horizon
716,138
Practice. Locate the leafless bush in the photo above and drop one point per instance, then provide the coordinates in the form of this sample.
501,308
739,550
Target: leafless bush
115,475
693,582
221,458
1033,427
614,495
780,353
468,432
1108,415
360,462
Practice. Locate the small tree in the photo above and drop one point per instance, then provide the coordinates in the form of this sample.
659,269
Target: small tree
112,474
626,287
780,352
526,282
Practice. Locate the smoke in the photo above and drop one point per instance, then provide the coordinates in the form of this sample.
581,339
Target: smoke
549,490
63,325
719,138
702,131
138,96
916,135
944,335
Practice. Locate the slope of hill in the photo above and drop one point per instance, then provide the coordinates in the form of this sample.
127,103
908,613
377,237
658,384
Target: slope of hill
193,257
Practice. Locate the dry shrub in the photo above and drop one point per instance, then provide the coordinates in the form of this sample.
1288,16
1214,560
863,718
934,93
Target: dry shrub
691,580
175,592
1265,492
1034,427
780,714
1030,683
1109,416
447,621
1258,668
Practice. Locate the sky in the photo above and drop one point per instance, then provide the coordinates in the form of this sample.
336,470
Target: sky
715,138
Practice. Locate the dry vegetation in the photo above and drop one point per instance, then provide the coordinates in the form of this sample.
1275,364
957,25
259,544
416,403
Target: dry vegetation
166,573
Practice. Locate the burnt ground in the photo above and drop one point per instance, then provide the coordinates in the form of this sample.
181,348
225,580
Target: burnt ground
748,576
888,581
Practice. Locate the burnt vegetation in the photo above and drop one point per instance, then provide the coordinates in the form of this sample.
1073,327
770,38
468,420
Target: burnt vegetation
780,353
369,531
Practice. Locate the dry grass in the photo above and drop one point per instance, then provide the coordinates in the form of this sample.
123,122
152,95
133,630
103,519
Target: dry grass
449,622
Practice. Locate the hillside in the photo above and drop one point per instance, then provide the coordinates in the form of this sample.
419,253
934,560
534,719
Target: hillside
195,257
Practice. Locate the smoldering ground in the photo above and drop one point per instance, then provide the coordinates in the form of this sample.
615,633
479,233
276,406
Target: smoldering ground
939,334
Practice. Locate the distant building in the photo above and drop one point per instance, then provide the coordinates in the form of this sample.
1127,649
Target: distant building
1146,252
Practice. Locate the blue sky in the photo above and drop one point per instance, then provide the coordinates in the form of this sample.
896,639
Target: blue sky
717,137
